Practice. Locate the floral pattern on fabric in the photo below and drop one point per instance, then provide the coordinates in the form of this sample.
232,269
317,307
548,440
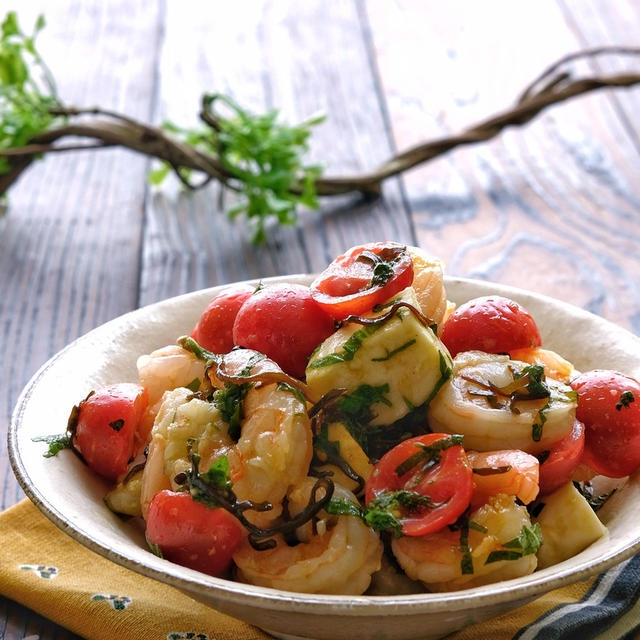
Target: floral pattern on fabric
41,570
119,603
188,635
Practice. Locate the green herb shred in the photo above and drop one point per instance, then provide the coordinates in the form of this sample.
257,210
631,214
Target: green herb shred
56,443
626,398
527,543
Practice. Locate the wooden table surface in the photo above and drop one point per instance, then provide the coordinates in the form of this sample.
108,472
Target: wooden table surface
553,206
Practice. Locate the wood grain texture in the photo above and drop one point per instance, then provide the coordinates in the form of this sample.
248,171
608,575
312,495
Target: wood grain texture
553,206
70,243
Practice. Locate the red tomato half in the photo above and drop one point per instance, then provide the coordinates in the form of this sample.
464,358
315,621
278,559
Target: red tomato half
106,425
609,407
285,323
448,483
563,459
493,324
363,277
214,329
191,534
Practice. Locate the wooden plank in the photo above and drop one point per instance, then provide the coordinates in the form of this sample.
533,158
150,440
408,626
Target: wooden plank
556,192
300,58
69,245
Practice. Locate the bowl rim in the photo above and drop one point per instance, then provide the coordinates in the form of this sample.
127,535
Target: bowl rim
526,587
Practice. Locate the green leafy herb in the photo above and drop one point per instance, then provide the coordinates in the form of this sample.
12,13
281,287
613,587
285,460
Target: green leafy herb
536,427
218,475
535,378
466,562
595,501
189,344
626,398
344,507
356,406
354,411
395,351
382,273
263,157
384,512
285,386
428,454
229,401
476,526
56,443
527,543
27,89
349,348
154,548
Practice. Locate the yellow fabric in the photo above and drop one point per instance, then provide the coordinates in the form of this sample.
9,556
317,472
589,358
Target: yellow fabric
44,569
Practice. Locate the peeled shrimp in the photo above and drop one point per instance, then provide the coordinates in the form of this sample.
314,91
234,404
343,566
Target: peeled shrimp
165,369
555,366
338,558
272,454
436,559
428,283
475,402
512,472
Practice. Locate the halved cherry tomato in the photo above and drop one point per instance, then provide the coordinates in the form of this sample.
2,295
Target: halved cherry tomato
446,479
214,329
363,277
104,427
192,534
563,459
284,322
493,324
609,407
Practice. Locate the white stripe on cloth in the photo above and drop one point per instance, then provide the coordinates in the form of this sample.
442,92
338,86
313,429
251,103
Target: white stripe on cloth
596,598
623,626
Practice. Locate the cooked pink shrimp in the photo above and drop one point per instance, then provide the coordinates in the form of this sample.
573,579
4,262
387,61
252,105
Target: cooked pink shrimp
338,558
437,559
509,471
165,369
428,283
272,454
555,366
481,401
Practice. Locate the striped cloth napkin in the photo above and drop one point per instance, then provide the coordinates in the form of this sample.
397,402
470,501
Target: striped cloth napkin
44,569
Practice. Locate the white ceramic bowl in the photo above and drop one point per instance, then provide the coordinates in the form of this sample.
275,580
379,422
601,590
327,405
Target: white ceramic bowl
71,496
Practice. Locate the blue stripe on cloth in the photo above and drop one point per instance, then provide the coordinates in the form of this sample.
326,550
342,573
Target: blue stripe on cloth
611,595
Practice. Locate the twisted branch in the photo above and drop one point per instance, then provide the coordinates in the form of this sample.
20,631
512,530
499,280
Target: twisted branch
553,86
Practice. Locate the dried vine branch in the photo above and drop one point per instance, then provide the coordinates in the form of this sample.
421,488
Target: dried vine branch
101,128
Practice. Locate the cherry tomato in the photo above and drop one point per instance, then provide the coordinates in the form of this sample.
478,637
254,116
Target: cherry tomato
214,329
363,277
284,322
609,407
192,534
562,460
493,324
447,482
104,427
